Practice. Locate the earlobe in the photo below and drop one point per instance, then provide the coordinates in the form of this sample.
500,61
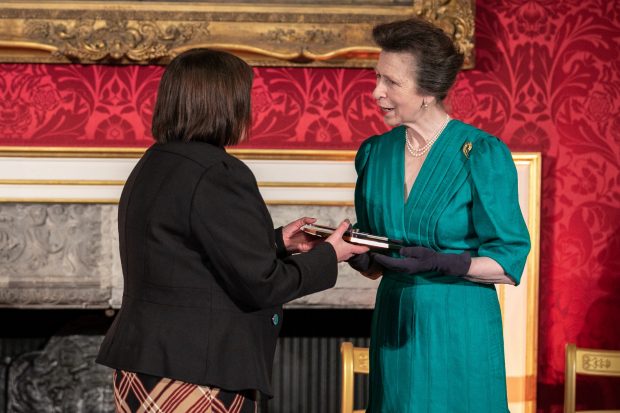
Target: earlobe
427,102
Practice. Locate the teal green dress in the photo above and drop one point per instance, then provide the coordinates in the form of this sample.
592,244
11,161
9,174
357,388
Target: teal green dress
436,344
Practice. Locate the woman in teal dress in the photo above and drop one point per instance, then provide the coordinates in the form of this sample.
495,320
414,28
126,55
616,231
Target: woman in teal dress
449,191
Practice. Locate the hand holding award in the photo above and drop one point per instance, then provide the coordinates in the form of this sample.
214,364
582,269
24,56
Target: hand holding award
355,237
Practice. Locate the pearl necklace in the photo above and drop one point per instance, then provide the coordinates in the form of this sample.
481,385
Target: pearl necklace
418,152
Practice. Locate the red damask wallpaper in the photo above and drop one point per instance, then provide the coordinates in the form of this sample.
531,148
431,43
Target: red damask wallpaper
547,79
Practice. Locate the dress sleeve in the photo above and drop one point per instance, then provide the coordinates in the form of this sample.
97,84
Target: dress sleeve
496,214
361,159
232,225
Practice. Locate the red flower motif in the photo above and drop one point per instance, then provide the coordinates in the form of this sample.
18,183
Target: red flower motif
532,19
586,184
15,118
530,136
261,99
322,130
598,106
571,251
45,97
116,93
324,96
115,128
463,103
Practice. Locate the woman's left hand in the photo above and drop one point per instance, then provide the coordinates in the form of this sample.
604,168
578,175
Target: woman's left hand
365,265
422,259
295,240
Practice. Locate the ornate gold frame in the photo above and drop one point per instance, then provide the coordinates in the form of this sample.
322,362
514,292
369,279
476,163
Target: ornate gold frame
336,34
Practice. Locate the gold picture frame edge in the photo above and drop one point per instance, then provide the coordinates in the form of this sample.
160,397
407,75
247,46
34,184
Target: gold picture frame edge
528,384
263,34
124,152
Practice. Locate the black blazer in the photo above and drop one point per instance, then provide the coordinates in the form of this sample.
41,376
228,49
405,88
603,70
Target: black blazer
203,281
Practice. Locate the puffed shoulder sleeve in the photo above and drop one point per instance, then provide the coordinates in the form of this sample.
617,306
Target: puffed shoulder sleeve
361,159
497,217
231,222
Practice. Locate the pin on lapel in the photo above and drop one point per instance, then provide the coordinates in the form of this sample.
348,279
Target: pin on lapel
467,148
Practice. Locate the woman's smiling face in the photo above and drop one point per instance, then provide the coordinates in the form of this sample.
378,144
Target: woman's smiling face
396,91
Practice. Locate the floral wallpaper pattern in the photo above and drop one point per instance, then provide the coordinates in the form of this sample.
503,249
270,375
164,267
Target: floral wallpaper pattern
547,79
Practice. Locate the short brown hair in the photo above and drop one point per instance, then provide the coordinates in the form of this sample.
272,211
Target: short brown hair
204,95
438,59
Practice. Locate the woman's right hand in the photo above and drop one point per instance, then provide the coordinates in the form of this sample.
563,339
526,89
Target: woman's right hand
344,250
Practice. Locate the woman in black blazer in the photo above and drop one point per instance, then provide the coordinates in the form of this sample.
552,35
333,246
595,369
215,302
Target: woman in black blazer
205,274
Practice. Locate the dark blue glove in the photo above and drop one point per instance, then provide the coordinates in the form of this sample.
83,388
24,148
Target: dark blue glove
366,265
361,262
422,259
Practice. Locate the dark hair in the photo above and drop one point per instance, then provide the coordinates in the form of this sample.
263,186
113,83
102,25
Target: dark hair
204,95
438,59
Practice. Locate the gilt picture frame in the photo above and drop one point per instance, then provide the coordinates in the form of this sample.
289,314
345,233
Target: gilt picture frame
299,33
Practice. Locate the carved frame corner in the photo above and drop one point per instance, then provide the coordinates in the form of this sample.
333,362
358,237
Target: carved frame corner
146,32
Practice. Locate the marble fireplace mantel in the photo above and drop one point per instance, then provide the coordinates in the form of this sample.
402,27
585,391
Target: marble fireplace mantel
65,255
58,221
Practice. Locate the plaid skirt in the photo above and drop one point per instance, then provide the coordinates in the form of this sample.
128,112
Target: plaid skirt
142,393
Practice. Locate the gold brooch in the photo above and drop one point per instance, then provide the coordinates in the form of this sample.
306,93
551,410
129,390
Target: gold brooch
467,148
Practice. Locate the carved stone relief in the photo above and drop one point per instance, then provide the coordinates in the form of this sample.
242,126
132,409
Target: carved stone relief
56,255
61,378
66,255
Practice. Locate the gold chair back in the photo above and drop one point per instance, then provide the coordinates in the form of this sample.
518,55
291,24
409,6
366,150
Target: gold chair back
588,362
353,360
